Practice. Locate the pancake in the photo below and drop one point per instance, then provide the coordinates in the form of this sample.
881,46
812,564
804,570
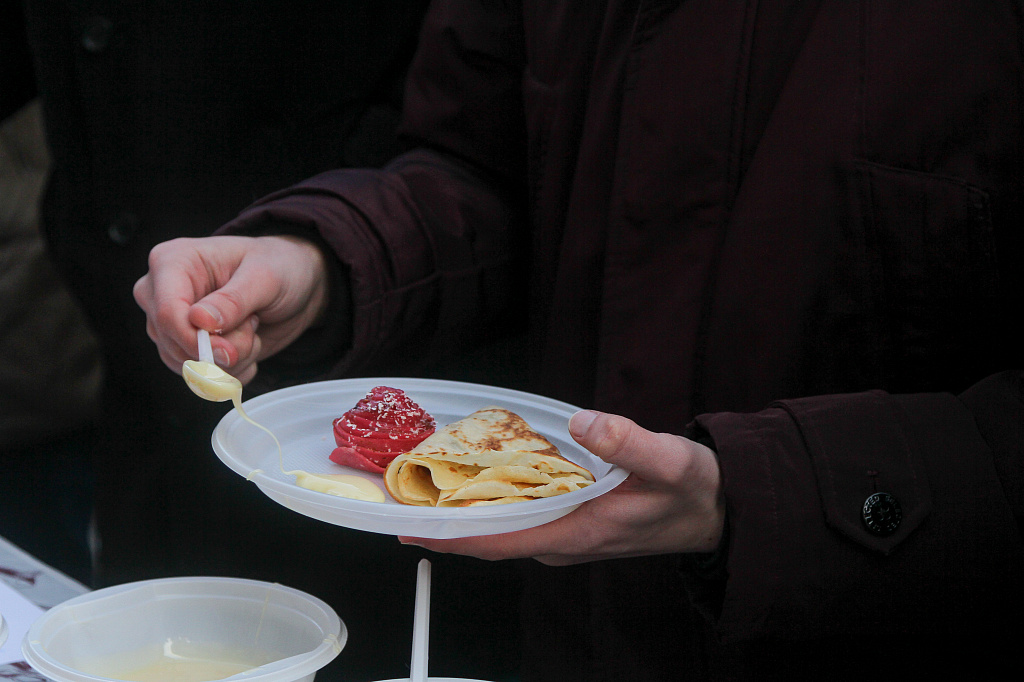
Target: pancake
490,457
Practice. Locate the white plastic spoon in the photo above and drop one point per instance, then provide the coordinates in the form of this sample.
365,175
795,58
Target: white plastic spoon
206,379
421,624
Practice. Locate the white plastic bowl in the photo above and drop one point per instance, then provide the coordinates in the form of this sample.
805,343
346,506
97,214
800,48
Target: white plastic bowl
287,634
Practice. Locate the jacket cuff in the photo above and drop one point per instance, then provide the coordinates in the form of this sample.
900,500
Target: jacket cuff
803,561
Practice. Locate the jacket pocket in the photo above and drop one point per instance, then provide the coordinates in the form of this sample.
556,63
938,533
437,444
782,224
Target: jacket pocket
926,243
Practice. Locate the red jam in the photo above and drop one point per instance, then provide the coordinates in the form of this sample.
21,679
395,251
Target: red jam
380,427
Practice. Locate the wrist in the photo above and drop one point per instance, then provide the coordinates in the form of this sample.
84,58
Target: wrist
713,506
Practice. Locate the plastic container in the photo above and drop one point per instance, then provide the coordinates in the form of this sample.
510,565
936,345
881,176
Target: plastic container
142,630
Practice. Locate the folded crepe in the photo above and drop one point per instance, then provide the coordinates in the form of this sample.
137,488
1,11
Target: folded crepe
490,457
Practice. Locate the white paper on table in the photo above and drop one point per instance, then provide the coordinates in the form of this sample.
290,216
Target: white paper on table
19,613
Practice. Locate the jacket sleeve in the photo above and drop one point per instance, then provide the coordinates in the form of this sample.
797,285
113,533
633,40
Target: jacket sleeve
430,245
871,513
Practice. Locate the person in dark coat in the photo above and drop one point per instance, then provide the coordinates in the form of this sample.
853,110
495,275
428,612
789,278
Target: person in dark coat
164,119
51,374
774,248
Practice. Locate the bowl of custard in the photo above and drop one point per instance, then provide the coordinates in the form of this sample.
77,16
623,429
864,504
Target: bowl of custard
191,629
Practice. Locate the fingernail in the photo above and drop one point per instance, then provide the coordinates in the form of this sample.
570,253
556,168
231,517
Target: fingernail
580,422
221,357
215,314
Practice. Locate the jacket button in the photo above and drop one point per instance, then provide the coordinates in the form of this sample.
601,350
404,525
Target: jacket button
882,514
96,34
122,227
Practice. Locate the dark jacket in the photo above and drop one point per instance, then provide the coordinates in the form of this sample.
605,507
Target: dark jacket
733,207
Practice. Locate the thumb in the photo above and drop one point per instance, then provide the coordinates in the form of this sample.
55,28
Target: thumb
279,278
225,309
217,312
620,441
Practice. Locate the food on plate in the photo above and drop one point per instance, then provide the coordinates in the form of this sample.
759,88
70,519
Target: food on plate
490,457
381,426
341,485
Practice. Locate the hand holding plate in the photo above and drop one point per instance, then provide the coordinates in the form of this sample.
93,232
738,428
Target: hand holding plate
671,503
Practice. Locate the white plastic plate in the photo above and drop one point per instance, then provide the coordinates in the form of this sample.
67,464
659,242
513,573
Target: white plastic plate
301,417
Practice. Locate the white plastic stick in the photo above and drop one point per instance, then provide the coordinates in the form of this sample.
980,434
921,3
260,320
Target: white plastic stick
421,624
205,349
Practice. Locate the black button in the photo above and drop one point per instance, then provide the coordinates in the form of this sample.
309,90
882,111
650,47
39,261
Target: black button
882,514
96,34
122,227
